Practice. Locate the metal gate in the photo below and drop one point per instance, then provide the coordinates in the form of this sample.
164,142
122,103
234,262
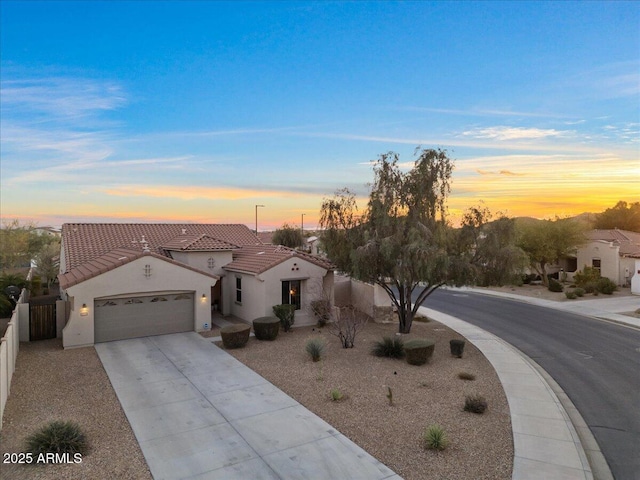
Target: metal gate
42,321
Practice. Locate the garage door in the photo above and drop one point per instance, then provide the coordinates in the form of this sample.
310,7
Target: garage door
141,316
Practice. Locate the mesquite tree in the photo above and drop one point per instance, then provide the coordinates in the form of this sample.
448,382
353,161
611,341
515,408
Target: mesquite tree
400,240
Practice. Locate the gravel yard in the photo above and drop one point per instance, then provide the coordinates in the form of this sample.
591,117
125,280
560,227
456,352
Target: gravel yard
55,384
480,446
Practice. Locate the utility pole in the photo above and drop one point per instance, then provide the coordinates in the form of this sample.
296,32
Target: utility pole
257,217
302,228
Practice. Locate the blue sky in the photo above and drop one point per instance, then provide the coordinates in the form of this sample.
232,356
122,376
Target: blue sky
198,111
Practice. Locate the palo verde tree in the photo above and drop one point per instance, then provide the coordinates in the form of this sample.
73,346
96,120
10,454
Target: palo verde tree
399,242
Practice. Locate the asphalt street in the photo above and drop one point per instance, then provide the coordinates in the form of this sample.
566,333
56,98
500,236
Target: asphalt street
596,363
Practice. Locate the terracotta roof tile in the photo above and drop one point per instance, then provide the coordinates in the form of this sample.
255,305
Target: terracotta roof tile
629,242
258,259
202,242
110,261
84,242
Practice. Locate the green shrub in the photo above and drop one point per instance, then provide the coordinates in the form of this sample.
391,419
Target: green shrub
475,404
579,292
419,350
314,348
606,286
392,347
322,311
590,287
457,347
466,376
336,395
571,294
286,313
585,276
235,336
266,328
58,437
555,286
435,438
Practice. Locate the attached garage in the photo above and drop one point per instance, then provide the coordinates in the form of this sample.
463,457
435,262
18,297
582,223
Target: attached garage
141,316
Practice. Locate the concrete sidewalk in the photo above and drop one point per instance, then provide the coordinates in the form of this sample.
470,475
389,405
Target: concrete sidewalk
197,412
546,444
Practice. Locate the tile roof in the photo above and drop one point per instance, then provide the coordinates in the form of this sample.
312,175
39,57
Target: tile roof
629,242
198,243
84,242
110,261
258,259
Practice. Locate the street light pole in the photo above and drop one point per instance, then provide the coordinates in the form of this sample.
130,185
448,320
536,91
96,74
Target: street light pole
257,217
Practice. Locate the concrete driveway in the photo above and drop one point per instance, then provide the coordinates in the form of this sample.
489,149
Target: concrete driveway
197,412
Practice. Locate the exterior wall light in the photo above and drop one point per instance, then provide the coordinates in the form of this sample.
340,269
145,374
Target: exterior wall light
84,310
204,298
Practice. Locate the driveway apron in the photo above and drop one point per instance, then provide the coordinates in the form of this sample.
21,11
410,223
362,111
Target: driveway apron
197,412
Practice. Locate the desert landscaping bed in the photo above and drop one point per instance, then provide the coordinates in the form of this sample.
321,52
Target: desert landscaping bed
480,446
55,384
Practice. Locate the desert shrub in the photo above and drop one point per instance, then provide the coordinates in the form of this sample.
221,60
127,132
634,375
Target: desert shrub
58,437
336,395
314,348
392,347
419,350
579,292
590,287
585,276
286,313
322,311
266,328
606,286
435,438
347,325
235,336
457,347
554,285
466,376
475,404
571,294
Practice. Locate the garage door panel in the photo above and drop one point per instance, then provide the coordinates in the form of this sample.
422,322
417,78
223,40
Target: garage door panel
118,319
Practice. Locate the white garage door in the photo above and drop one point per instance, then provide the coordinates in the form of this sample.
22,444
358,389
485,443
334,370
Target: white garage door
141,316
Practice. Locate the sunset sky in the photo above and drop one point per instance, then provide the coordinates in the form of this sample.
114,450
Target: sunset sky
197,111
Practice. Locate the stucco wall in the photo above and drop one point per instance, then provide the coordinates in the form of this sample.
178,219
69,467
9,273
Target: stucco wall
200,260
608,255
311,286
253,289
260,293
130,280
635,280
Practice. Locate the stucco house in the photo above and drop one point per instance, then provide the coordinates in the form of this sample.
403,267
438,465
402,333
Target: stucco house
615,253
132,280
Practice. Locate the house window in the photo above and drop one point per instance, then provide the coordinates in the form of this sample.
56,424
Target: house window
211,263
291,293
595,263
239,289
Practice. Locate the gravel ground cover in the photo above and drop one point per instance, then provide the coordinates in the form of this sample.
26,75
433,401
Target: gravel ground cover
480,446
55,384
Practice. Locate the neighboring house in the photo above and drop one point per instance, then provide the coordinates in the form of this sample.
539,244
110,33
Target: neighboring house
49,231
132,280
613,252
313,243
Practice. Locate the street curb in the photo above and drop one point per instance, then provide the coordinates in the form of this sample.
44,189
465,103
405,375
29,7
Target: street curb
525,456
